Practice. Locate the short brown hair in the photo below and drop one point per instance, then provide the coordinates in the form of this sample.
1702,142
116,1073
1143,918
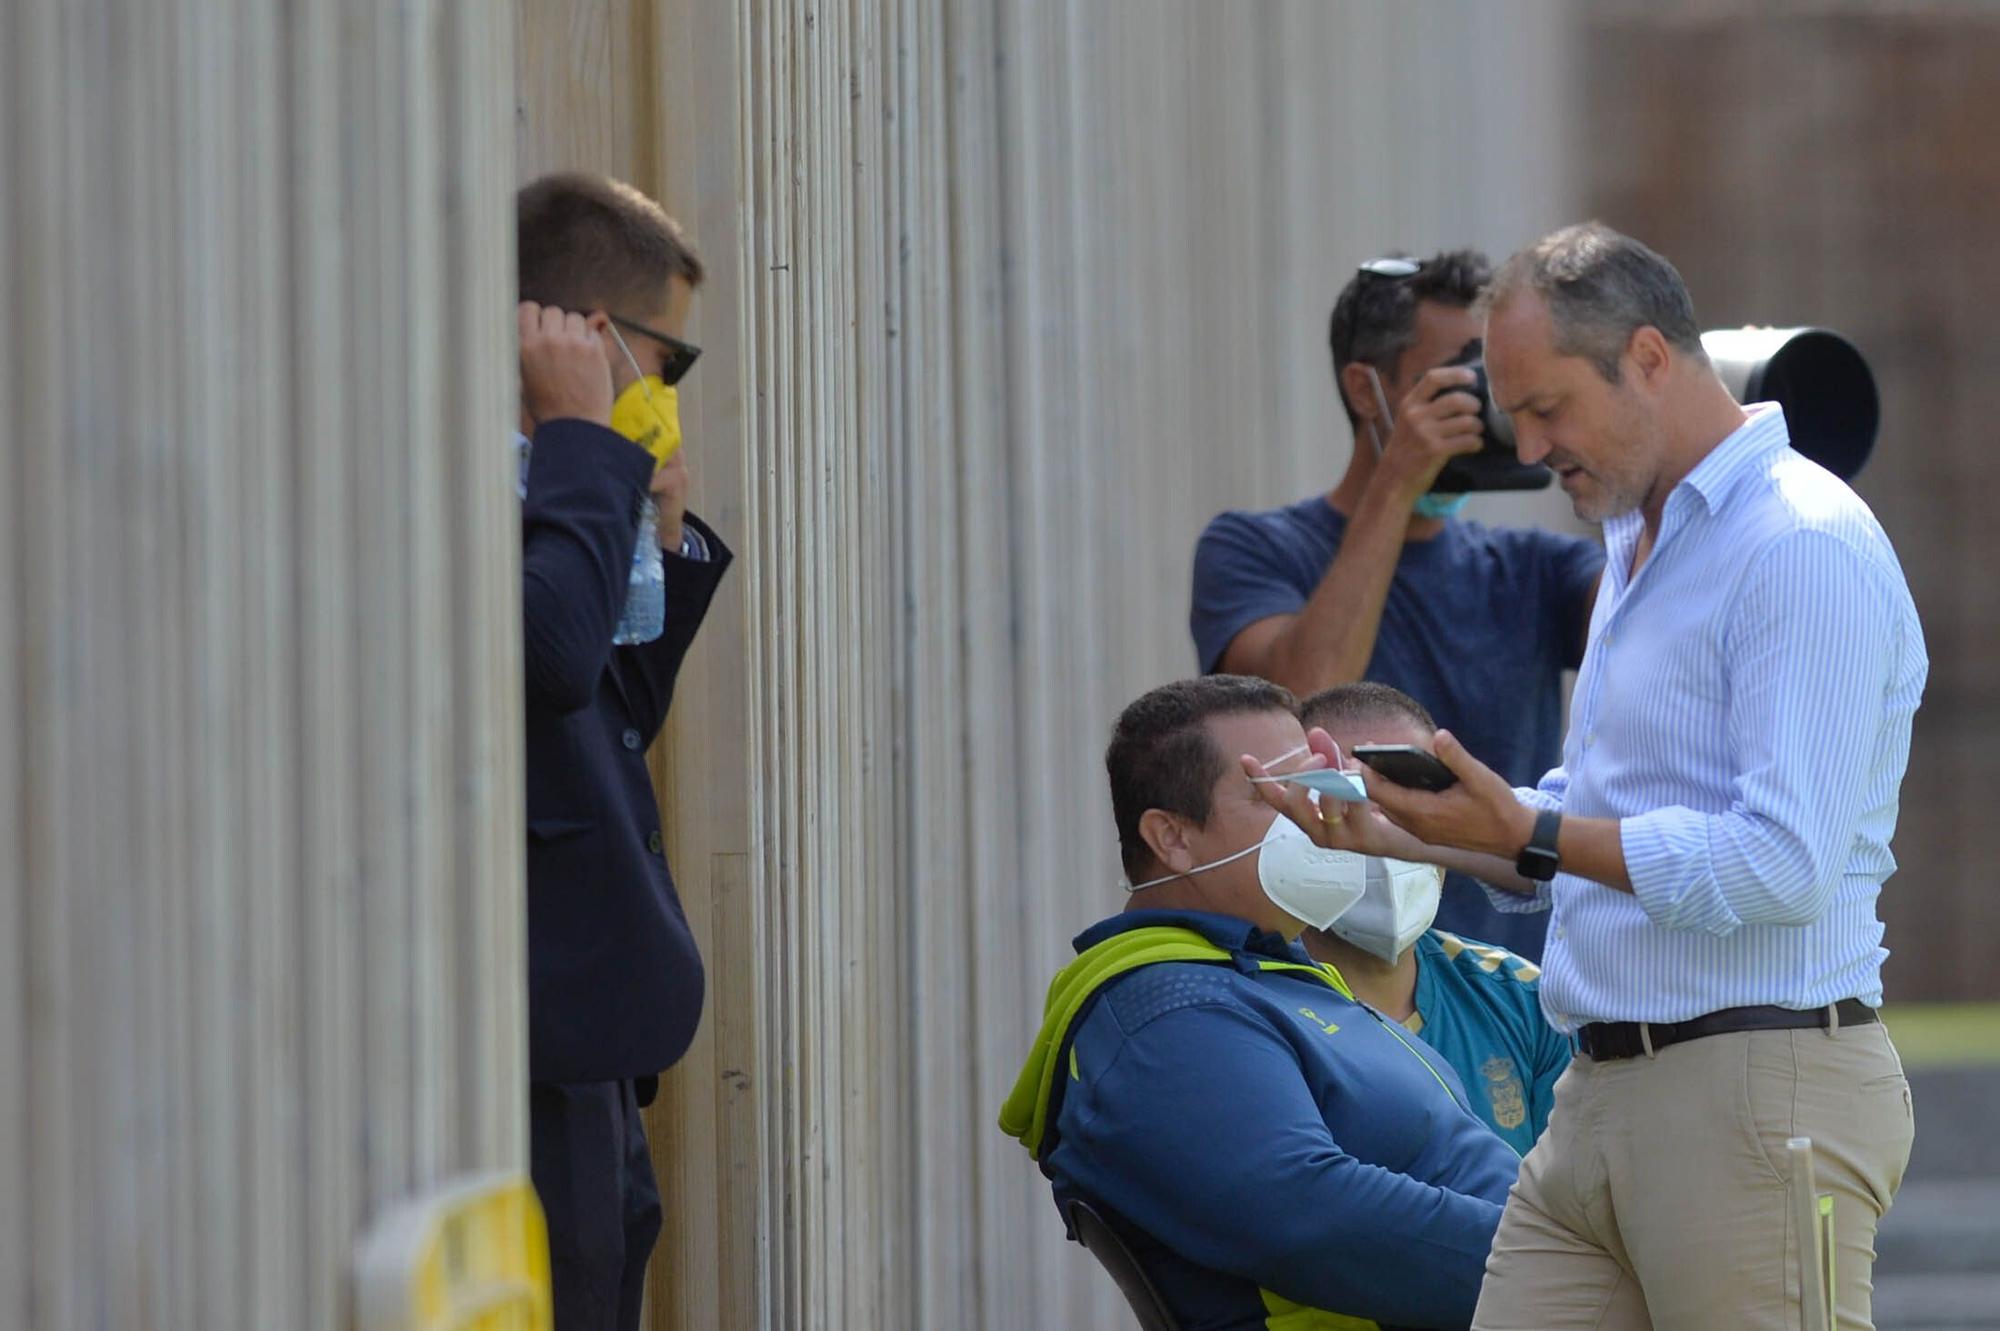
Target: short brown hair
1365,700
1162,756
588,242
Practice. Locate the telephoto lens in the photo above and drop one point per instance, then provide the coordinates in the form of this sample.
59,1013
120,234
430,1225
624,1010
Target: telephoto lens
1817,376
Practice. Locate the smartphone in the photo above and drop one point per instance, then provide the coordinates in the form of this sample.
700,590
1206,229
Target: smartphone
1407,765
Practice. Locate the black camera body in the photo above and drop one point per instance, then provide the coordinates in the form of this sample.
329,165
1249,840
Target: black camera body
1495,466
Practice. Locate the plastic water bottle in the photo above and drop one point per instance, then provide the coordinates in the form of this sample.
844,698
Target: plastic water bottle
645,616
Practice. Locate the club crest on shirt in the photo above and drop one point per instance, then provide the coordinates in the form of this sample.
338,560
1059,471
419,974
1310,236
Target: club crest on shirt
1503,1092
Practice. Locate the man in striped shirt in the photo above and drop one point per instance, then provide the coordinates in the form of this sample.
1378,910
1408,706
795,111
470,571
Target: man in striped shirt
1714,843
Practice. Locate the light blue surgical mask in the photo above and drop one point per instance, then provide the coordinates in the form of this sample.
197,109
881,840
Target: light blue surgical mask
1345,786
1435,505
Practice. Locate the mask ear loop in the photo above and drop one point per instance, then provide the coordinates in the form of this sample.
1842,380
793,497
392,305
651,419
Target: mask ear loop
1288,753
1227,859
637,373
1199,868
1382,406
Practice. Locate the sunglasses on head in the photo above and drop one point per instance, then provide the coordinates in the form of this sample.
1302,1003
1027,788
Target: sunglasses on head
1392,267
1389,268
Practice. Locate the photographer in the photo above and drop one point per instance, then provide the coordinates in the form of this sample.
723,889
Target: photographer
1378,579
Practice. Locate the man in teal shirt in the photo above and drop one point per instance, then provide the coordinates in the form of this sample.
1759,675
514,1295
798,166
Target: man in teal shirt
1476,1005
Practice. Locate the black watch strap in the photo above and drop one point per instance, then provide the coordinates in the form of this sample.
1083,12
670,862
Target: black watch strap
1538,859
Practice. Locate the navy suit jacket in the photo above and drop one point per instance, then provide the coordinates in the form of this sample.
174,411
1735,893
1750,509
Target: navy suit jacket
614,977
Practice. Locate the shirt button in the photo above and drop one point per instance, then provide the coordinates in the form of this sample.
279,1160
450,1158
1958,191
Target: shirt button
653,842
632,740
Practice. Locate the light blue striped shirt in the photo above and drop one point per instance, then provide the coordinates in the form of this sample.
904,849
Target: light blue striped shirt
1744,709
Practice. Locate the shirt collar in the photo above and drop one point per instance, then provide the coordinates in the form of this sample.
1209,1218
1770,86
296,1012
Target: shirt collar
1233,932
1739,454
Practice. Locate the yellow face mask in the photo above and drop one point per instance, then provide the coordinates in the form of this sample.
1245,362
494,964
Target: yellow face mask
648,412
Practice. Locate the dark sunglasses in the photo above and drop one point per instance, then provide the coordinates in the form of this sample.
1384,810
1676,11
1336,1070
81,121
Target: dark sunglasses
681,356
1389,269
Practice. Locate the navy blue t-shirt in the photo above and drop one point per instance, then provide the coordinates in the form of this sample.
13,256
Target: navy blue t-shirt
1478,626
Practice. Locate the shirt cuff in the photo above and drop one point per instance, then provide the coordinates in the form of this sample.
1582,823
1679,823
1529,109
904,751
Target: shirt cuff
1666,857
1516,903
1538,799
693,546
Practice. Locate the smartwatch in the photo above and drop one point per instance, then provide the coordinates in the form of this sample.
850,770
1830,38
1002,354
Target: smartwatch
1538,859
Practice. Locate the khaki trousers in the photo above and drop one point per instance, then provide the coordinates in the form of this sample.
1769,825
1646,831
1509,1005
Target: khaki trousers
1659,1195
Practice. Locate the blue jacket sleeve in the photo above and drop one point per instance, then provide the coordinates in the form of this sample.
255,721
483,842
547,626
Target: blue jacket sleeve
1249,1179
579,523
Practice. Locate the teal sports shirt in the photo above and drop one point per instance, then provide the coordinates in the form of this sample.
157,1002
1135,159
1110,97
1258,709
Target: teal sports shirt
1479,1007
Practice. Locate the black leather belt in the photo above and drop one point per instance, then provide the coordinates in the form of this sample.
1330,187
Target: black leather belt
1608,1040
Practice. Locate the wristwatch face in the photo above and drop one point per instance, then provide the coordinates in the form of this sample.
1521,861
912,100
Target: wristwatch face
1537,864
1538,859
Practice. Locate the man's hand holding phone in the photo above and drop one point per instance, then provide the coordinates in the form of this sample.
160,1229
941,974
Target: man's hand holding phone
1476,811
1340,818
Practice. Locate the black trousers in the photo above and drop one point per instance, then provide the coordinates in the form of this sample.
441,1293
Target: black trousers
587,1155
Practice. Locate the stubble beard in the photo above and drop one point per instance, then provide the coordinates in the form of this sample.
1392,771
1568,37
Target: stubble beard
1615,493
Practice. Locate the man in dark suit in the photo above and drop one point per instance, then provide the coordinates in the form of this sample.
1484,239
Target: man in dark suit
614,977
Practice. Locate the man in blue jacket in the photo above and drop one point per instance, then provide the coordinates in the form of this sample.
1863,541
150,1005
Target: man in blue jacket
1276,1154
614,978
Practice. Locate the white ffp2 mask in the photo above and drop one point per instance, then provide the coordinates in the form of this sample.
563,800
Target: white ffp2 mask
1307,881
1399,900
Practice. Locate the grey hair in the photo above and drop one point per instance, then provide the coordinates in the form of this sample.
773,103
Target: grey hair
1601,286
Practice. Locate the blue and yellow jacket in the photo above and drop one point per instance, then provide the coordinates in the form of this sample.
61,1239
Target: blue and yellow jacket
1280,1149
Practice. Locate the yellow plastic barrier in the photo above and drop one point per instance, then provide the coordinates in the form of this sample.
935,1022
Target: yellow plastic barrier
473,1256
1812,1225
